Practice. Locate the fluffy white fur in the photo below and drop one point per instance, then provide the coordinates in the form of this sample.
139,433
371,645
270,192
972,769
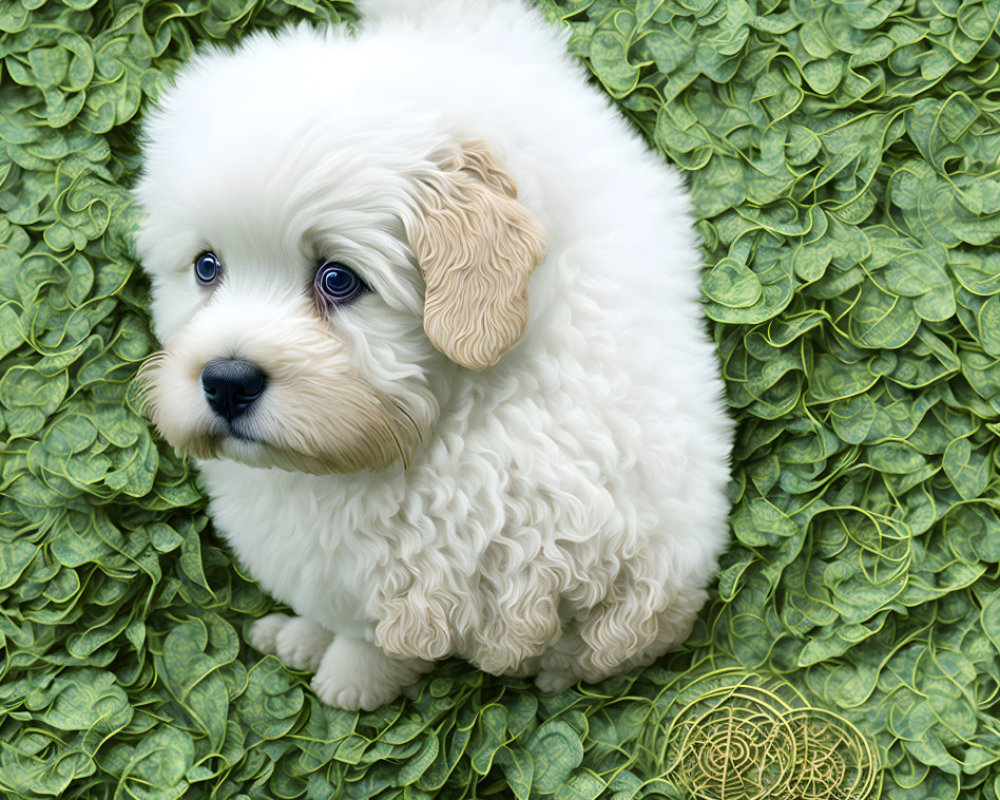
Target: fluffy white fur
557,513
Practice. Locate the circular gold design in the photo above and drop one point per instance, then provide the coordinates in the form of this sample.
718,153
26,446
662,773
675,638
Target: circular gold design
834,759
732,742
741,741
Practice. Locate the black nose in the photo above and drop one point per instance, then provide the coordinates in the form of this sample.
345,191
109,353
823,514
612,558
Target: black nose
231,386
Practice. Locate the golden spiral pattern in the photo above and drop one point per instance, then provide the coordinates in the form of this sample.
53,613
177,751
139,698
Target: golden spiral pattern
740,741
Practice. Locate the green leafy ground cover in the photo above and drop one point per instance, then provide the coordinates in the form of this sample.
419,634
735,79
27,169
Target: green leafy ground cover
843,157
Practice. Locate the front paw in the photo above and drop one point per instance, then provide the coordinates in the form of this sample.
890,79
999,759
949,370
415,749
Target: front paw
298,642
354,674
263,634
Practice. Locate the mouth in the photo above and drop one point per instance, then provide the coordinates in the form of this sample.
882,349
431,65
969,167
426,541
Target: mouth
235,444
239,436
236,440
229,429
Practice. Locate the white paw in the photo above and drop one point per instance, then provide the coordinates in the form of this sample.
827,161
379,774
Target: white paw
264,632
355,675
300,644
549,681
354,697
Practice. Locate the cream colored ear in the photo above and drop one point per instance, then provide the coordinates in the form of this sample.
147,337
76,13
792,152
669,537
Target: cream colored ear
476,246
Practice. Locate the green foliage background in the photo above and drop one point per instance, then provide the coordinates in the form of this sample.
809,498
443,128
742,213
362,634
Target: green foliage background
843,158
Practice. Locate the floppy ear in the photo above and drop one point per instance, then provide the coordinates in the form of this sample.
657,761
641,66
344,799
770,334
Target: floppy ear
476,246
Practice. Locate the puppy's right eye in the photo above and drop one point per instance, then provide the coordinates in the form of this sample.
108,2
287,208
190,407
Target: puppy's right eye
207,268
337,284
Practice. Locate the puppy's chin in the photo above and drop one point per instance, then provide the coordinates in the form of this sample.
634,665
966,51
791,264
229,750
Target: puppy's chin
262,455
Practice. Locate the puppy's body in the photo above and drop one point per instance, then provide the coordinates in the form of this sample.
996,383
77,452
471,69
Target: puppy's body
559,511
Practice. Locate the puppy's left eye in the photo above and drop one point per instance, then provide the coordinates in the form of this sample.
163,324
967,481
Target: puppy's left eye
337,283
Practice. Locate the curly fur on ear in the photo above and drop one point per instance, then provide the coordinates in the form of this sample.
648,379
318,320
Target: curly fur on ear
476,246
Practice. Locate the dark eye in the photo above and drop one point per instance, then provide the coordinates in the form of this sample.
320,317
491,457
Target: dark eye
337,283
207,268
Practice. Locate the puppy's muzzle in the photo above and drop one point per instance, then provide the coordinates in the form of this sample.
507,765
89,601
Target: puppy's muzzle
232,386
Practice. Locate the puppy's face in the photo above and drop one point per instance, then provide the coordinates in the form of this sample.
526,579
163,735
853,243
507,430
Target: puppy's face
310,279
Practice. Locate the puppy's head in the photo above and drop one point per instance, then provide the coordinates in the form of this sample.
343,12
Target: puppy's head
318,270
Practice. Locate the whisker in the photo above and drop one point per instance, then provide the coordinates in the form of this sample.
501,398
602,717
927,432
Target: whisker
144,382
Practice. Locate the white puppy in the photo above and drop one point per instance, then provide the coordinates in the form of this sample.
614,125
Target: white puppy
343,235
